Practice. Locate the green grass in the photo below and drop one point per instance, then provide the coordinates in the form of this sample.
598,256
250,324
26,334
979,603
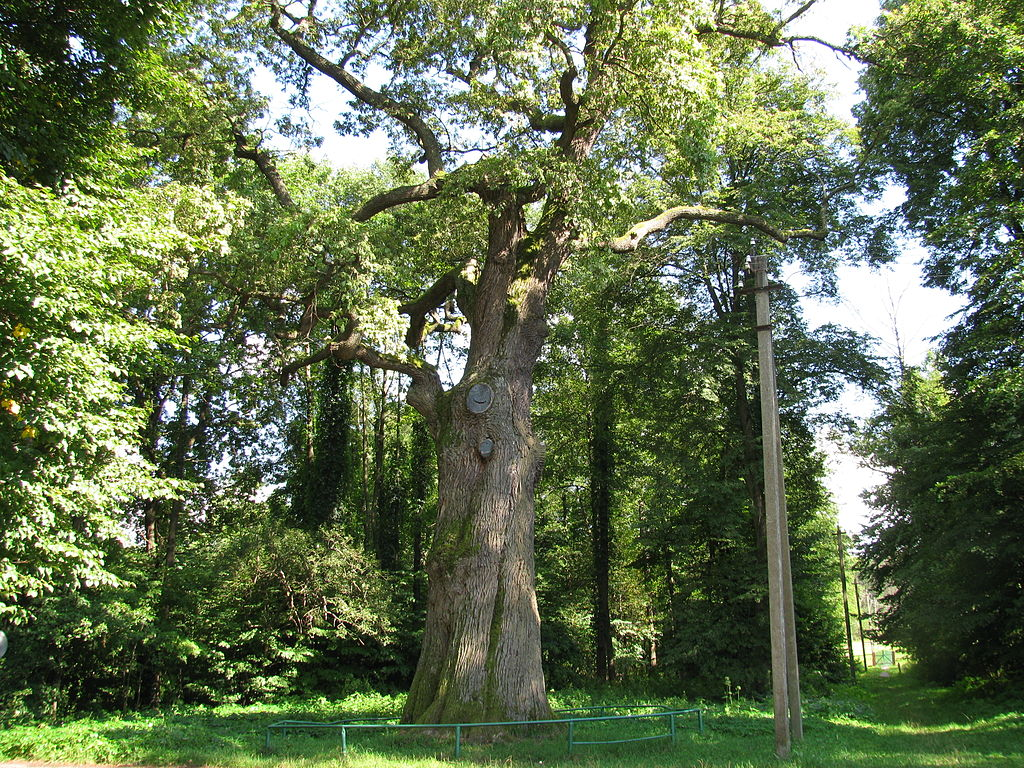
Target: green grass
879,723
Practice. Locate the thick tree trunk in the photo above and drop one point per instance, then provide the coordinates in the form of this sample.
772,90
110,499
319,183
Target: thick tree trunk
481,657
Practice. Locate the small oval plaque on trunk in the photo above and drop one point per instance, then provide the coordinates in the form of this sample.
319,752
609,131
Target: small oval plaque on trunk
479,398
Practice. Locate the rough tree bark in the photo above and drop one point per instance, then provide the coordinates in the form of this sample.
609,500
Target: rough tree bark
481,651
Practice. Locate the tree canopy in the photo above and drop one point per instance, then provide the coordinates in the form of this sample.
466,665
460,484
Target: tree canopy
943,110
67,71
71,265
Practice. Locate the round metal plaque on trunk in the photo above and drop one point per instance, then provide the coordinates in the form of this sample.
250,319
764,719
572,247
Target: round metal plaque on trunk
479,398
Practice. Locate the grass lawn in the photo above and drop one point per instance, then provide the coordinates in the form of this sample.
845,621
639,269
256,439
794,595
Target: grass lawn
878,723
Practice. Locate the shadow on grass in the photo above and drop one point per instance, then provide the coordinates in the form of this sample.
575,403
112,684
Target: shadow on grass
892,723
734,738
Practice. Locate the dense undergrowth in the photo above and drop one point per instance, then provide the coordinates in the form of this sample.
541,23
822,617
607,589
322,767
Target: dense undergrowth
877,723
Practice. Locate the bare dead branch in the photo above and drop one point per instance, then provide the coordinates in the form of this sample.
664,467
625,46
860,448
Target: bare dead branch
857,54
795,15
775,40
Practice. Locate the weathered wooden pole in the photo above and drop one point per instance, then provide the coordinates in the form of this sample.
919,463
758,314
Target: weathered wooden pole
846,601
860,623
785,664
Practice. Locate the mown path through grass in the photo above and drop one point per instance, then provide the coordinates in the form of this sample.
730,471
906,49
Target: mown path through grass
877,723
905,723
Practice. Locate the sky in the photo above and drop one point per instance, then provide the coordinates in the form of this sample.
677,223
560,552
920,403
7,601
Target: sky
889,304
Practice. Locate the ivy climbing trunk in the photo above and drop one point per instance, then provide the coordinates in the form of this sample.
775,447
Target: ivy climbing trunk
602,472
421,477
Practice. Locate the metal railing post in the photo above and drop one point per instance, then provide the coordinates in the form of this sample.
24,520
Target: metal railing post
458,741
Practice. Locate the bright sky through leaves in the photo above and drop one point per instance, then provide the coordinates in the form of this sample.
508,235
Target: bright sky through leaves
891,304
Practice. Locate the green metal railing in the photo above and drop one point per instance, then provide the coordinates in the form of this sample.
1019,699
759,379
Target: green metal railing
388,723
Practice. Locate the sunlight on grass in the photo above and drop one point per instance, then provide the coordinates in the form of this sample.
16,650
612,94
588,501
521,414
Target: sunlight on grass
875,724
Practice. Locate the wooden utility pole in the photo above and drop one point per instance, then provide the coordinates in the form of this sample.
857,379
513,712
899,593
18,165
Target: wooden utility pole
860,623
785,667
846,600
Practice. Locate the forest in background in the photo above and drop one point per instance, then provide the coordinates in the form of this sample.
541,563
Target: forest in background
213,490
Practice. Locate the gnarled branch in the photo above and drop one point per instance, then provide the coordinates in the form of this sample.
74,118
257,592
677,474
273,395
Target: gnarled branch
430,300
629,241
265,162
412,193
406,114
348,345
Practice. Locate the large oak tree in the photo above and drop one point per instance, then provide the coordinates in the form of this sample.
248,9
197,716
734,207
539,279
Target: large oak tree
543,114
